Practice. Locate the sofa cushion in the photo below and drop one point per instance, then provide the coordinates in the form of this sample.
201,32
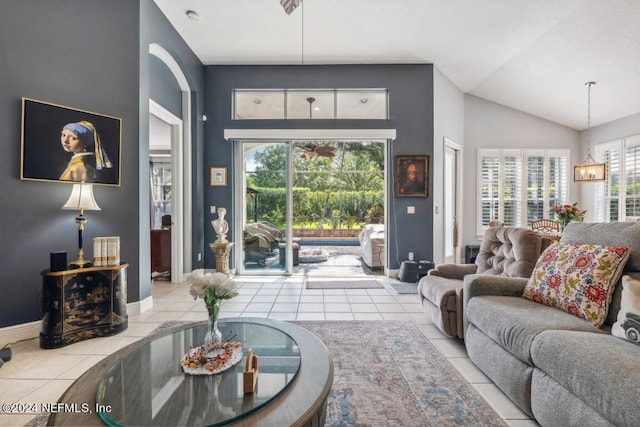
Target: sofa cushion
508,251
577,278
607,234
514,322
627,326
599,369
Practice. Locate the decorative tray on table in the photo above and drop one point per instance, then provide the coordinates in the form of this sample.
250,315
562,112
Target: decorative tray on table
213,358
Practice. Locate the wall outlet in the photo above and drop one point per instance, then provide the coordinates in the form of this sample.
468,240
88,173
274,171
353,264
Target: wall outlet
410,256
411,209
199,256
213,209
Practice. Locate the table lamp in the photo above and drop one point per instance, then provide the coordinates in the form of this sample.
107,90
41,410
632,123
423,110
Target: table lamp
81,199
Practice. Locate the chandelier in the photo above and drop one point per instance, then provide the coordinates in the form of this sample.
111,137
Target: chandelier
589,170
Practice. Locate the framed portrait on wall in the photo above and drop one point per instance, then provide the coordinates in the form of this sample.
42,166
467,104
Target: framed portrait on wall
218,177
412,176
64,144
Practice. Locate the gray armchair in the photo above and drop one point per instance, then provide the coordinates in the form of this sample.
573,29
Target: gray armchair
504,251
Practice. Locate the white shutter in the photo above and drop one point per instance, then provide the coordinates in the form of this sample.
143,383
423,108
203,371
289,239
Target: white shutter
632,180
489,191
511,181
536,187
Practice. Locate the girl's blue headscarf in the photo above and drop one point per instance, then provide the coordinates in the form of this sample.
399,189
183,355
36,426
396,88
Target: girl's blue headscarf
91,140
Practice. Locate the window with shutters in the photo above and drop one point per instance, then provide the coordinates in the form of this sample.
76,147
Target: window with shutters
518,186
618,197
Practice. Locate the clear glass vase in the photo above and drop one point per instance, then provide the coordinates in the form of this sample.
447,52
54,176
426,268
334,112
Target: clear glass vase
213,334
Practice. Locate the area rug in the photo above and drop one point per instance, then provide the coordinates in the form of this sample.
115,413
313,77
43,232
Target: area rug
404,288
343,284
387,373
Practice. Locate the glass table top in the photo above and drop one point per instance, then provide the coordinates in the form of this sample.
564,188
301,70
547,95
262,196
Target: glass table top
148,386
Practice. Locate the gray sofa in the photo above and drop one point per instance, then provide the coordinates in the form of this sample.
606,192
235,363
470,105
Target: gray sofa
556,367
504,251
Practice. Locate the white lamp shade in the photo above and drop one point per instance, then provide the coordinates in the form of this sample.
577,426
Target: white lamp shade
82,198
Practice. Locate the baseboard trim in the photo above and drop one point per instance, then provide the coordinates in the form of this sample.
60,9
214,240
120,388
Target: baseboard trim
139,307
24,331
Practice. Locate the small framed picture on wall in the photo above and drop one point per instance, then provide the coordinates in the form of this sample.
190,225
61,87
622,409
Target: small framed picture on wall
218,176
412,176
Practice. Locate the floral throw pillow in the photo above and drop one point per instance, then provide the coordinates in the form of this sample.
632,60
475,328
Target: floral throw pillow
577,278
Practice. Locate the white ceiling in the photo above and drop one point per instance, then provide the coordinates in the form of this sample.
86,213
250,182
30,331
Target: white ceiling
534,56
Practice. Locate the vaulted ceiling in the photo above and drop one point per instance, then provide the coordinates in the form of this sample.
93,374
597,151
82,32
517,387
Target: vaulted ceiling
534,56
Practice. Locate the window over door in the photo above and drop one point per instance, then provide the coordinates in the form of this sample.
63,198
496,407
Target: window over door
518,186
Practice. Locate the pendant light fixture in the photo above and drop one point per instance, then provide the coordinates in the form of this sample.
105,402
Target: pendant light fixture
589,170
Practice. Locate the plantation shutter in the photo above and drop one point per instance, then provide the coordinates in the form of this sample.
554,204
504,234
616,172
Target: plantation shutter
632,179
558,172
489,167
535,187
607,205
517,186
511,188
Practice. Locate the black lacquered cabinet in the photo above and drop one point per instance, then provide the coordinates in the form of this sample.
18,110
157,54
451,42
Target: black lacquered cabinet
83,303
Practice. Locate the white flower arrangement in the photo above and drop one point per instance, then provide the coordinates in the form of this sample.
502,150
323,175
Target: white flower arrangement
211,287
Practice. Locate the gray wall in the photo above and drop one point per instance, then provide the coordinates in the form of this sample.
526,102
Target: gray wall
411,113
85,55
448,104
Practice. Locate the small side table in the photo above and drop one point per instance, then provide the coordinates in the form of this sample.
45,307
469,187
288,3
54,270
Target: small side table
221,251
83,303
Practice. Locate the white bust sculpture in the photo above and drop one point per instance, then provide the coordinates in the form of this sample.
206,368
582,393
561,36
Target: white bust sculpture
220,226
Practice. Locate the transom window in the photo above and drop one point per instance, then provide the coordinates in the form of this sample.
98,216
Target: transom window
310,104
518,186
618,197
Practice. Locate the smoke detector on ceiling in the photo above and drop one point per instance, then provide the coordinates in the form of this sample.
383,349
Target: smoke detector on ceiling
192,15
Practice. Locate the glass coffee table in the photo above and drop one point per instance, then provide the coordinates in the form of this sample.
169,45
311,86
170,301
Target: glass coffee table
143,384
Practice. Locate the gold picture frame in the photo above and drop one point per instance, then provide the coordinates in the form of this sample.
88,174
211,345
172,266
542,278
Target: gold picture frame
218,176
412,176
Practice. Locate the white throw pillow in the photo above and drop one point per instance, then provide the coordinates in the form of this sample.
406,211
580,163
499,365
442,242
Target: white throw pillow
630,303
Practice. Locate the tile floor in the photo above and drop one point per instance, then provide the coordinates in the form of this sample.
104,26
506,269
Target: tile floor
36,376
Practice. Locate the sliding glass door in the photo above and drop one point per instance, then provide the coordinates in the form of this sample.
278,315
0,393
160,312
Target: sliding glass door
324,191
266,224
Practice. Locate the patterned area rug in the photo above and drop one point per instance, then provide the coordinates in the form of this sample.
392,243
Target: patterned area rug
388,374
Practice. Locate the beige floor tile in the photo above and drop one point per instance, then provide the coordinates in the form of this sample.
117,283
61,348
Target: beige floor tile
469,371
500,403
337,307
390,308
50,392
294,298
13,390
258,307
75,371
264,298
15,419
364,308
339,316
285,307
312,307
283,316
367,316
50,367
310,316
383,299
397,316
359,299
311,298
450,347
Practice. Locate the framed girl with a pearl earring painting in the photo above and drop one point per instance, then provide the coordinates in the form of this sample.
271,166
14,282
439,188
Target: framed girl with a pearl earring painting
64,144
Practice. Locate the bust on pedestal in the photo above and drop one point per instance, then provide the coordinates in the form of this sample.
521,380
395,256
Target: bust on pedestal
221,226
221,247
